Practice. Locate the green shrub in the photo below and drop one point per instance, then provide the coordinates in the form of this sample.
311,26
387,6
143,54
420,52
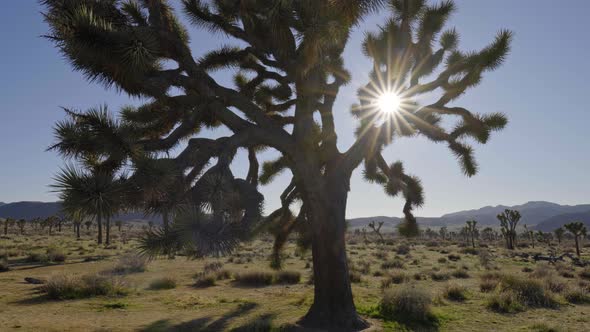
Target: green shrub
542,327
205,280
455,292
505,302
163,283
254,279
37,257
287,277
63,287
406,304
530,292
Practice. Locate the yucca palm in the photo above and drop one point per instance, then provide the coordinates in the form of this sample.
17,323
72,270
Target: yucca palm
97,193
290,68
578,230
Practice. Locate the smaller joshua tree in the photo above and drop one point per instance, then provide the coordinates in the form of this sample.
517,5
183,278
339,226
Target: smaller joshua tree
559,232
472,231
530,234
508,221
377,229
578,230
21,223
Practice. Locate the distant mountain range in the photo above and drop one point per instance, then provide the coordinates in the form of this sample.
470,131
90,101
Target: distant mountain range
30,210
544,216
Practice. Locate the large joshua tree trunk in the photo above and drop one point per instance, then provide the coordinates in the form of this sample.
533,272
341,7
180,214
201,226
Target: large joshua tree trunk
333,305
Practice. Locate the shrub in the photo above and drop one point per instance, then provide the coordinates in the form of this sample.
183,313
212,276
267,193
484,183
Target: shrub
455,292
554,285
287,277
506,302
442,260
37,257
4,265
470,251
205,280
577,295
585,274
439,276
406,303
393,264
130,263
394,278
529,292
254,279
489,282
527,269
63,287
454,258
355,276
542,327
460,274
57,255
212,267
543,271
486,259
403,249
163,283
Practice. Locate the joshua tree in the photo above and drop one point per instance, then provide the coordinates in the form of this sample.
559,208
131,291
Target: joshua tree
543,237
472,230
530,234
559,234
443,232
377,229
7,222
21,223
95,193
119,225
290,69
508,221
50,222
488,234
88,224
578,230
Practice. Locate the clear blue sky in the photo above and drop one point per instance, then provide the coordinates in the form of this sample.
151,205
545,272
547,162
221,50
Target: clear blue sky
544,153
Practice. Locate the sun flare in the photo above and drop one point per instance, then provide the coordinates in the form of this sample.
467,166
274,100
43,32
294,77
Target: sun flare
389,102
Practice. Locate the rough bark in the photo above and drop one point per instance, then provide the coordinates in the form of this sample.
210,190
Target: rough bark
333,307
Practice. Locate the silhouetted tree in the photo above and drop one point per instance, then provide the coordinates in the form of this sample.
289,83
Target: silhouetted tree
472,230
21,223
377,229
530,234
559,234
95,193
578,230
290,69
508,221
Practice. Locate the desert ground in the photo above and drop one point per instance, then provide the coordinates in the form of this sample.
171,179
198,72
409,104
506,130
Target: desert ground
465,288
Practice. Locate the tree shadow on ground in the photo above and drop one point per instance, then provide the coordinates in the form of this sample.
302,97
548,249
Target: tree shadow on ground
262,323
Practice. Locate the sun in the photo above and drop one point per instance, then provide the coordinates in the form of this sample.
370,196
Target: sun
389,102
